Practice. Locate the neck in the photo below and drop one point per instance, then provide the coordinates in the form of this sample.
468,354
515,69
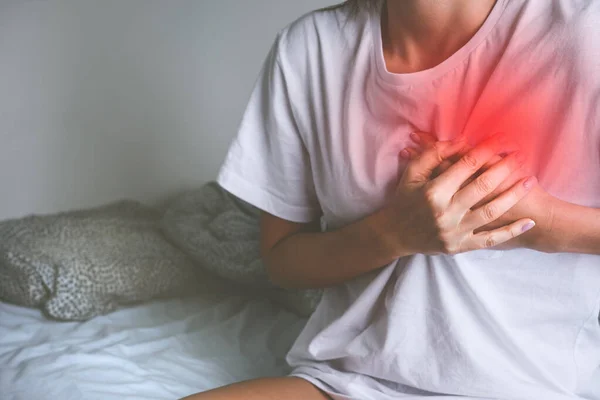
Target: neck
411,28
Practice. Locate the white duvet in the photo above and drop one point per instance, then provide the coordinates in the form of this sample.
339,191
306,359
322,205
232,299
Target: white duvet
161,350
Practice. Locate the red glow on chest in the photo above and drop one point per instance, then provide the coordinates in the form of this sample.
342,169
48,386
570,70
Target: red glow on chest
530,119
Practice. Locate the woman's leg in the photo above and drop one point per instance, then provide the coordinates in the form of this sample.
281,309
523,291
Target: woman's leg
288,388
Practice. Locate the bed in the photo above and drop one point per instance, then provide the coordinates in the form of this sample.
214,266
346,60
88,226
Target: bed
129,301
163,349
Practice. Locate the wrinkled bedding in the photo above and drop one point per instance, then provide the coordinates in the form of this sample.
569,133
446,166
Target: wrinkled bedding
160,350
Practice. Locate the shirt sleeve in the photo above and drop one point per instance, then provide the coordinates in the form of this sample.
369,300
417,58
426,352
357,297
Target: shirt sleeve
267,164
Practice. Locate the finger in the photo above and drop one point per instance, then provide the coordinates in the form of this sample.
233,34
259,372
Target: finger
444,166
485,167
452,179
423,138
454,159
486,183
420,170
441,168
494,160
514,177
496,208
509,144
451,160
471,179
501,235
410,153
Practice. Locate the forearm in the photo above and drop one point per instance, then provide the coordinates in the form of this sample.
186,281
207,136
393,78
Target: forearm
315,260
575,229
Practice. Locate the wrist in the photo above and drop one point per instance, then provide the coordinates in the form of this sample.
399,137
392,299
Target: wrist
574,228
387,227
549,238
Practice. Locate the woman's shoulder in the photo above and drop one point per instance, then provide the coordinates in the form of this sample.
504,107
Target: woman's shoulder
330,30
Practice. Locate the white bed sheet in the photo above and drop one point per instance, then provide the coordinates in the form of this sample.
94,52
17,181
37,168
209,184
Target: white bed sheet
161,350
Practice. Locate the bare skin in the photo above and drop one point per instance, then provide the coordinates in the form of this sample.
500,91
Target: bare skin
420,195
427,215
561,227
289,388
410,29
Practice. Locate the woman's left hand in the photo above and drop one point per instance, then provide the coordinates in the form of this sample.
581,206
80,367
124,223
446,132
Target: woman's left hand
537,205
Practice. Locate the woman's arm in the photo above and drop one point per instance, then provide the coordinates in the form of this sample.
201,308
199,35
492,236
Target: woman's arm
572,228
561,227
426,216
300,256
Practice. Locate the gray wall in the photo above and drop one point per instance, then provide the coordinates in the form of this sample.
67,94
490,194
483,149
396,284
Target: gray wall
110,99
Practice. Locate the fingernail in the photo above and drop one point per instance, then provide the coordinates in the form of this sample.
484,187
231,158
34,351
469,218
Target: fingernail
528,226
416,138
528,184
405,154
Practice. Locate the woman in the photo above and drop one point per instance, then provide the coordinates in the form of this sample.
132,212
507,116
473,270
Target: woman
417,303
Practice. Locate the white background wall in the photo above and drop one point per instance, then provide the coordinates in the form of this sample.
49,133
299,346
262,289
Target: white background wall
109,99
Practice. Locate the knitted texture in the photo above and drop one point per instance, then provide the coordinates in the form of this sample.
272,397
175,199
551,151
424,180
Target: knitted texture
221,233
80,264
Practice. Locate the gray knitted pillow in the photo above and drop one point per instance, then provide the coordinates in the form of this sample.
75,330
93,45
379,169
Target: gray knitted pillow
221,233
80,264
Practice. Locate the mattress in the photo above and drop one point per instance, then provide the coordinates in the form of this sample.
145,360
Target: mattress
160,350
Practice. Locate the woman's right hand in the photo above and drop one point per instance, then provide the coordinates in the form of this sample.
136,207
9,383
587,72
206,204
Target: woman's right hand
433,215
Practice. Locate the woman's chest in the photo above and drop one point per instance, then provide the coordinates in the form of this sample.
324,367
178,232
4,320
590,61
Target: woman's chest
357,166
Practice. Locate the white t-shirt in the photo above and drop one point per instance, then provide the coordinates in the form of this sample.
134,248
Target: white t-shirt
321,136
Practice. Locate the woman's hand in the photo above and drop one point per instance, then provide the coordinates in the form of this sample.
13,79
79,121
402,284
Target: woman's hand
434,214
424,140
537,204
